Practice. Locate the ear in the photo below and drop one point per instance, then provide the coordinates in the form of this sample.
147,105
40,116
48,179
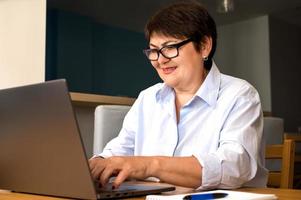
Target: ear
206,46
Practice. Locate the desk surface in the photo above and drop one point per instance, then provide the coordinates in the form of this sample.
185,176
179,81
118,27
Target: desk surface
282,194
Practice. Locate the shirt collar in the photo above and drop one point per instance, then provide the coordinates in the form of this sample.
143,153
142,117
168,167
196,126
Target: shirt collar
164,92
208,90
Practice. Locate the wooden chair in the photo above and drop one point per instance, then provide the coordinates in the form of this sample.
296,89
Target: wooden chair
296,137
285,152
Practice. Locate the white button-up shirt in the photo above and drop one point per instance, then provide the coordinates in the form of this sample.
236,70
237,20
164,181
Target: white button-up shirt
222,126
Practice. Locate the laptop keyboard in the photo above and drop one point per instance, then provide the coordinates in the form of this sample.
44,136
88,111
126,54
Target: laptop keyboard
122,188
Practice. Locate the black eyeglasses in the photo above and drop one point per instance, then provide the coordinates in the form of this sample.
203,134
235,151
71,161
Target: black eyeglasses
169,51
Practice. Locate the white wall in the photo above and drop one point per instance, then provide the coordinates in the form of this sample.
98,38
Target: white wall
22,42
243,51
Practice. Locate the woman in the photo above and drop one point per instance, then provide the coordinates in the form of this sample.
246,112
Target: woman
199,128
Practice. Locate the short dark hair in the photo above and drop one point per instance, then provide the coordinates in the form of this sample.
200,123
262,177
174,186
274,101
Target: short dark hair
184,19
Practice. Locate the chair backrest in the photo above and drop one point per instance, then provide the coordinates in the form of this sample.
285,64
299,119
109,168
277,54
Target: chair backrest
285,152
107,124
296,137
273,130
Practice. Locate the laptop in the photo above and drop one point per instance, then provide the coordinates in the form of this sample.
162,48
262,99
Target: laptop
41,150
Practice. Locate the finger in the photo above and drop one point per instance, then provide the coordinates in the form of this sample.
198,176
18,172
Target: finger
121,177
106,174
93,161
97,170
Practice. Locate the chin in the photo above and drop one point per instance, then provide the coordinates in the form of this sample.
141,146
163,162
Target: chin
168,80
170,83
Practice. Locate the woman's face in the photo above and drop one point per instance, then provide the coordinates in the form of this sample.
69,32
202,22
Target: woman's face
182,72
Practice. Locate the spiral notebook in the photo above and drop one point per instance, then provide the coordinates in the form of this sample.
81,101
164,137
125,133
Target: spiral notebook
233,195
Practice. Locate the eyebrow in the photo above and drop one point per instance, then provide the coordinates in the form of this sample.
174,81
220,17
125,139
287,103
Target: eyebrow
164,44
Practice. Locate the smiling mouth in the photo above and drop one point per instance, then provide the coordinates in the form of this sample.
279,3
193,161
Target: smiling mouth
168,70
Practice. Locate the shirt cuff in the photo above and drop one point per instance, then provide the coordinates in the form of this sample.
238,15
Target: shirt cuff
97,156
211,172
105,154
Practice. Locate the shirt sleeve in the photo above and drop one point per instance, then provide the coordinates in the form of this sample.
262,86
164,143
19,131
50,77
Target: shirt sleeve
236,160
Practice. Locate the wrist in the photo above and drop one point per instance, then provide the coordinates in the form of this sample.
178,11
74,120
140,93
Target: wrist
153,166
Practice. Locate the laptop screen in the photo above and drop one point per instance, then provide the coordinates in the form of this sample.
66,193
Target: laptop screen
41,149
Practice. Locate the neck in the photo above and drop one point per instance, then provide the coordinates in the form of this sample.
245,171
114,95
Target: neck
182,96
193,86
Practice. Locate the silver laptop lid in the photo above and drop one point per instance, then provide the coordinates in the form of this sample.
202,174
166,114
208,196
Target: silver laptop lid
41,151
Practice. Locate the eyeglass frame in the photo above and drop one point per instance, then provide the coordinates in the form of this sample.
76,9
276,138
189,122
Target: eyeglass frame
177,46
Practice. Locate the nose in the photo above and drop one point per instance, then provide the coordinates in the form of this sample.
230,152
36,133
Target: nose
162,59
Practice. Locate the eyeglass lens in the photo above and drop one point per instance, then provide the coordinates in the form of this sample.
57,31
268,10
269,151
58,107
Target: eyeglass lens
170,51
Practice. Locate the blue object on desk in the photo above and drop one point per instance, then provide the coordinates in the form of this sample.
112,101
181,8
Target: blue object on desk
207,196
